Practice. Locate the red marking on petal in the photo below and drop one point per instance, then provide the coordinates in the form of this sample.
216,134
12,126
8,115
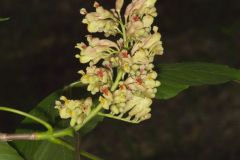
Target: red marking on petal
100,73
105,91
129,88
122,87
84,46
139,80
85,108
108,65
136,18
125,54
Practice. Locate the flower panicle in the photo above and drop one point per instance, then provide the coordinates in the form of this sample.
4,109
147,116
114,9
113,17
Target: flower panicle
121,71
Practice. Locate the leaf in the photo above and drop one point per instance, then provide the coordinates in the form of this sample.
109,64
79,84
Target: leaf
39,150
177,77
91,125
8,153
45,109
3,19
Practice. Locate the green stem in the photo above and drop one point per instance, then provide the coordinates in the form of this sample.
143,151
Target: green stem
64,132
123,30
73,85
118,78
55,134
89,117
62,143
116,117
42,122
124,35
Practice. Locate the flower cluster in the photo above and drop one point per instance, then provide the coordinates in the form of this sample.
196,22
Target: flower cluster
77,110
100,21
122,71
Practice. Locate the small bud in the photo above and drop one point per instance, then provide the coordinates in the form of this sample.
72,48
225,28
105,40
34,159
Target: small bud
158,83
83,11
96,4
147,21
119,4
104,102
114,109
155,29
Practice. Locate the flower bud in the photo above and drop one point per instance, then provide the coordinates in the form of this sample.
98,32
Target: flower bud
119,4
83,11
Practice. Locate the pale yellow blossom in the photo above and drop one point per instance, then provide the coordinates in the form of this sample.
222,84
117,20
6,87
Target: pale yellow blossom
140,16
76,110
152,45
101,21
138,108
105,103
140,8
98,49
96,78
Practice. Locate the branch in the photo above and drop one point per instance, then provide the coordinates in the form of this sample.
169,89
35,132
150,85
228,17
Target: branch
37,135
12,137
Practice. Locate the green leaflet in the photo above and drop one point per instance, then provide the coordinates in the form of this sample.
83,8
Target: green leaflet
8,153
177,77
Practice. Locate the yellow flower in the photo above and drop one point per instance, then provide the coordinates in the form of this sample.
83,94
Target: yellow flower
141,57
97,50
143,82
139,16
136,5
138,108
105,103
96,78
77,110
136,30
140,8
101,21
152,43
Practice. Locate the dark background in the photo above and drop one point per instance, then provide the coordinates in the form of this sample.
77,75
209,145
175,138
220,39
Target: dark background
37,57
